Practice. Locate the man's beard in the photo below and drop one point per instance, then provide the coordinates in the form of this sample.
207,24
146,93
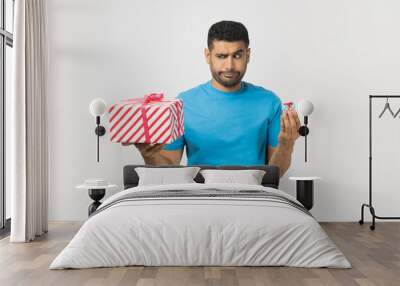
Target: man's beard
233,78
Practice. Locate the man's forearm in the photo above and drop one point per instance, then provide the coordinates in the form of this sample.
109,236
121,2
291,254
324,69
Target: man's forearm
282,158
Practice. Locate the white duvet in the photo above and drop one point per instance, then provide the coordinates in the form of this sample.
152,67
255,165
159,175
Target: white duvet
200,231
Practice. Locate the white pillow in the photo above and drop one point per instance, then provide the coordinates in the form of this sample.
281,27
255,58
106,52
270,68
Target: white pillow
162,176
249,177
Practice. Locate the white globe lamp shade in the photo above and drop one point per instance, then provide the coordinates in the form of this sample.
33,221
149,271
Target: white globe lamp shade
97,107
305,107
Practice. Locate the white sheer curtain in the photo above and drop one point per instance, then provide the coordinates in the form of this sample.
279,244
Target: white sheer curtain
27,123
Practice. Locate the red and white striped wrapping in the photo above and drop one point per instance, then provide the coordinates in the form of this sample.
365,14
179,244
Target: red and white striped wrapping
146,120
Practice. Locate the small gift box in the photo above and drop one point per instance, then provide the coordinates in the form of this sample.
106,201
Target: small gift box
146,120
288,106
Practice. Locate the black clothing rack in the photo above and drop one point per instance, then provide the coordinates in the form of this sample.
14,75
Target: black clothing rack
369,205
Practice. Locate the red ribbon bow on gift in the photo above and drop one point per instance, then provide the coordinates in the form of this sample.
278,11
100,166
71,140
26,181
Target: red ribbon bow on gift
153,97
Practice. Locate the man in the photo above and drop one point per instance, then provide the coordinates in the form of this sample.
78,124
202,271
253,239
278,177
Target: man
229,121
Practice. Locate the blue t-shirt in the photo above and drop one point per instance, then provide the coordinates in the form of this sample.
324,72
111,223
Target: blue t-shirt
228,128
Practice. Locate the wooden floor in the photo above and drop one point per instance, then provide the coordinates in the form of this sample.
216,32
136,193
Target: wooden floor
374,255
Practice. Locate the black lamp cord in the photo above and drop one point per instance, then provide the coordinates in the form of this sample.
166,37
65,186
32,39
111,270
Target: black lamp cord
305,138
98,145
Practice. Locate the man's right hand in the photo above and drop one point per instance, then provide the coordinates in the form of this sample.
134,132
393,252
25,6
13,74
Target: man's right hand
148,151
154,155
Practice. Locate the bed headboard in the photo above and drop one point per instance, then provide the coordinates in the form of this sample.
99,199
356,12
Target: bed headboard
270,179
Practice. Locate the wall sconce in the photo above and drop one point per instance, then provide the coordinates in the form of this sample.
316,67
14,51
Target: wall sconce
97,108
305,108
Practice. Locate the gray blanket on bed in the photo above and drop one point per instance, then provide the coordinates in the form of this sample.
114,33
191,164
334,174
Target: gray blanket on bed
205,193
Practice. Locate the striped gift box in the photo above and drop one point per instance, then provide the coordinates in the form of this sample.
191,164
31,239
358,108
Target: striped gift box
146,120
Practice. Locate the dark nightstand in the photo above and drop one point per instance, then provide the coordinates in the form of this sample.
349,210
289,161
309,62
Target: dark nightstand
305,190
96,193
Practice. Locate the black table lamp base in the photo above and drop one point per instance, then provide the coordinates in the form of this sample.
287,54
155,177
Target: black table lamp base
96,195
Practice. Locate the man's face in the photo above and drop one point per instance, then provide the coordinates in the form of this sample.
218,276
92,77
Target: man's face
228,61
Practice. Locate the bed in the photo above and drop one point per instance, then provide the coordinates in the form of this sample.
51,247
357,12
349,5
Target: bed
201,224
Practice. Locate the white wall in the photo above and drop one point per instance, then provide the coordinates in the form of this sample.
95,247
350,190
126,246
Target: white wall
334,53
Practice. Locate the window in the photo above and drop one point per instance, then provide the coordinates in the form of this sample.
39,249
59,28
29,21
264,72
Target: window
6,44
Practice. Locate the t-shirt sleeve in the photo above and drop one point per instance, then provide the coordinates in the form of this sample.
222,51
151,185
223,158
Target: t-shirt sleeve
275,124
179,142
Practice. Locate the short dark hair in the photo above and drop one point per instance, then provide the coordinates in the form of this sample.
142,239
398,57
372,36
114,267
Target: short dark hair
229,31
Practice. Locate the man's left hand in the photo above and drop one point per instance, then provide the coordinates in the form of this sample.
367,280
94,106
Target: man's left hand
290,124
